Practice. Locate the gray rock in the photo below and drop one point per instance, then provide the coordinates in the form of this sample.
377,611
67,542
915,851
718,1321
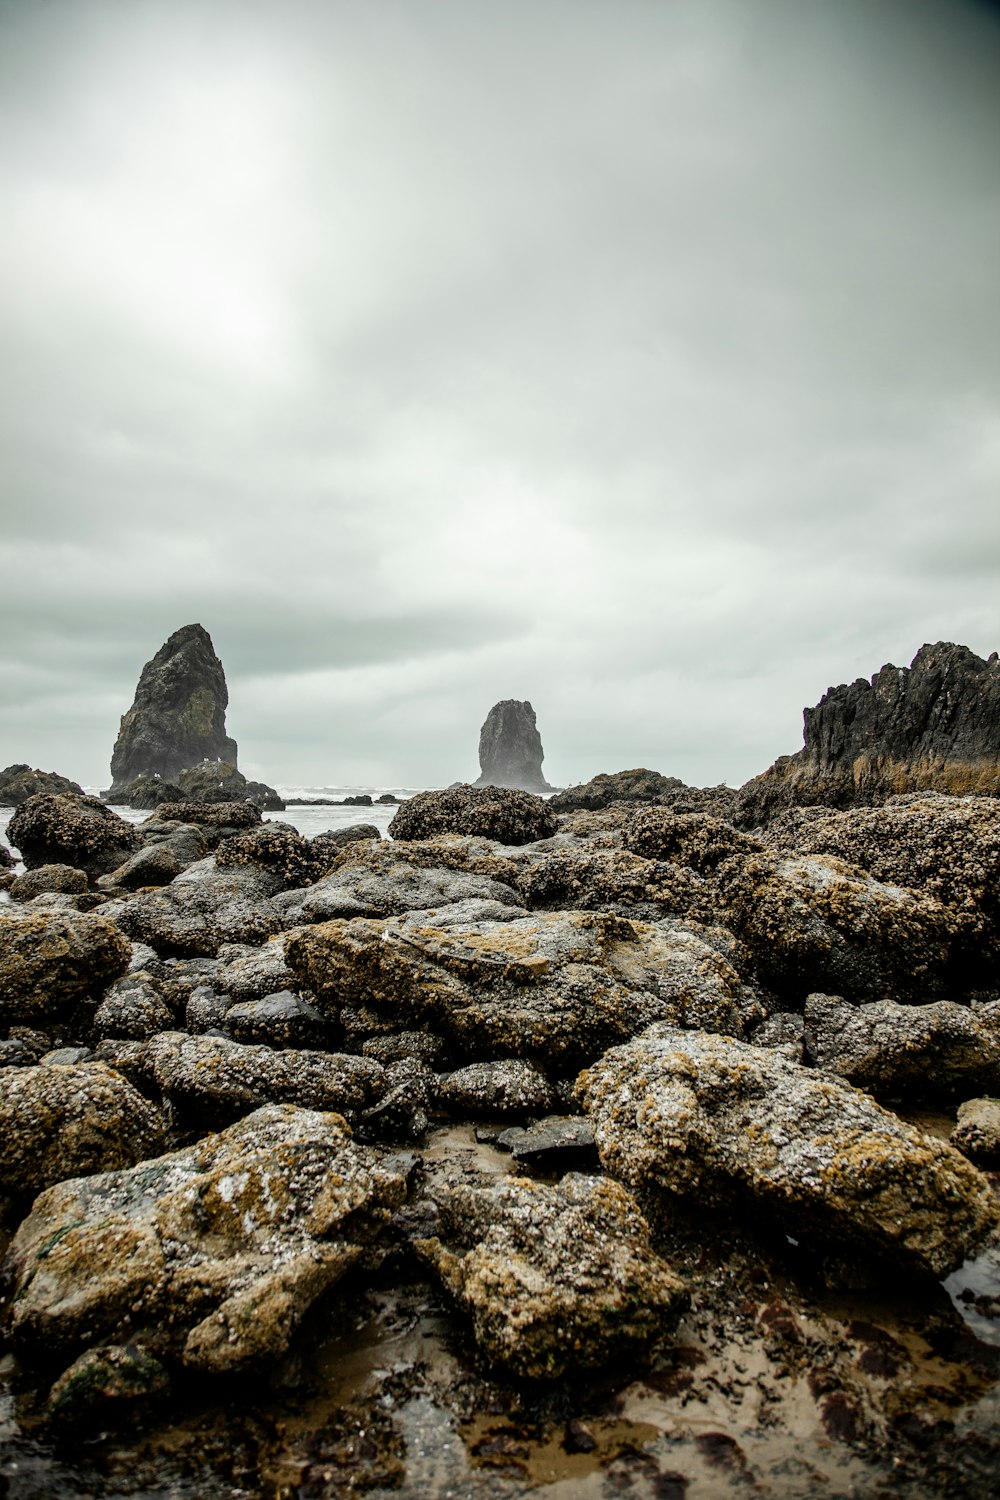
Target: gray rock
211,1081
212,1254
559,1143
77,831
422,1046
280,1020
142,955
554,1278
926,1053
18,783
557,987
58,1122
49,960
786,1030
510,748
256,973
134,1009
742,1130
387,884
200,910
626,788
977,1132
508,1088
66,1057
46,878
327,847
411,1090
206,1010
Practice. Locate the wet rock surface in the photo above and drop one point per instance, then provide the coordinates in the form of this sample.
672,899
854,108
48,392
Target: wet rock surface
77,831
51,960
505,814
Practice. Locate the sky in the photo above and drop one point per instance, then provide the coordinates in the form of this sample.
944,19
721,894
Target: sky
639,358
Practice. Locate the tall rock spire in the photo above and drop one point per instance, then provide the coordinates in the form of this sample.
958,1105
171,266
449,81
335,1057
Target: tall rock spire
510,748
178,718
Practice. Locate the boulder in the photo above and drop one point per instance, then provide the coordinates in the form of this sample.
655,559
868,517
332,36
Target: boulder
77,831
217,819
18,783
145,792
178,717
210,1255
505,814
510,748
50,960
58,1122
325,848
45,878
574,878
115,1383
932,726
509,1088
926,1053
623,788
421,1046
202,909
156,863
134,1008
556,988
977,1131
218,781
714,1123
279,1020
814,922
256,972
273,846
211,1081
385,879
698,841
556,1279
557,1143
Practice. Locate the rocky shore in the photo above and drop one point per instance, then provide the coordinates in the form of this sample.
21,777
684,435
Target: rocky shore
584,1147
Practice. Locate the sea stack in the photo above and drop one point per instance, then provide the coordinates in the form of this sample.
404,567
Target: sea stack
178,718
932,726
510,748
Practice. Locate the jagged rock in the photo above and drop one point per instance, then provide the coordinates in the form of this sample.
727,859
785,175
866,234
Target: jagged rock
274,846
558,1143
814,922
18,783
555,1278
279,1020
211,1081
44,878
384,879
934,726
977,1132
510,748
740,1129
49,960
134,1008
554,987
211,1254
178,717
77,831
58,1122
217,781
921,1052
505,1089
502,813
202,909
622,788
145,792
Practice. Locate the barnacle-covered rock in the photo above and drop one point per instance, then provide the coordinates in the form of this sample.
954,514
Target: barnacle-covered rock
66,830
556,1279
49,960
556,987
19,782
277,847
46,878
509,1088
681,1115
58,1122
503,813
211,1254
385,879
977,1131
201,910
697,840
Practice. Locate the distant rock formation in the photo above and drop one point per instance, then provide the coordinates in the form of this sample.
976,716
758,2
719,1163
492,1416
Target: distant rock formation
178,718
18,783
622,788
932,726
510,748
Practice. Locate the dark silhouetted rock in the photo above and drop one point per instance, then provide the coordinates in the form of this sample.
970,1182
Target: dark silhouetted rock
505,814
624,787
145,792
934,726
18,783
215,781
510,748
228,816
179,715
67,830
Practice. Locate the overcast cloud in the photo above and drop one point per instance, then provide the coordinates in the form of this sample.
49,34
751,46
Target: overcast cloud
640,358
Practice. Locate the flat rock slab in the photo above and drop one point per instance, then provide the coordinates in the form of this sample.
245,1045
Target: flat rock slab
559,1143
736,1128
211,1254
555,1278
65,1121
919,1052
556,987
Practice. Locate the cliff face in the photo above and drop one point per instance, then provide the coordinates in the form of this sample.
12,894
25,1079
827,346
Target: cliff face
179,715
510,748
932,726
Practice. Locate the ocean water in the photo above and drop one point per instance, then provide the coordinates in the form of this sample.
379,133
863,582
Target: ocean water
308,820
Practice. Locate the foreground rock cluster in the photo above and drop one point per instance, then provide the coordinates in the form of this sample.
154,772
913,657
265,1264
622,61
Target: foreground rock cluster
229,1052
